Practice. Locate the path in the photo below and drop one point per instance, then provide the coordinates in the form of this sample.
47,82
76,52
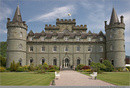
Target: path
73,78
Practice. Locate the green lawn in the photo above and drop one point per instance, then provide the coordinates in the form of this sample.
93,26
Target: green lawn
117,78
26,79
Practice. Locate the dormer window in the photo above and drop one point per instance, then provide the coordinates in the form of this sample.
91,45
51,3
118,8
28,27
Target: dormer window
42,38
77,38
54,38
66,38
89,39
101,39
30,38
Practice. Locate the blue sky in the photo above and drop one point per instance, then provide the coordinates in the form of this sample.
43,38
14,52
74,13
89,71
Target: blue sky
37,13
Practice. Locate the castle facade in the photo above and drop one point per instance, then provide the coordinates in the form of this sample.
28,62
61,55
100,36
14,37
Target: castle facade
65,44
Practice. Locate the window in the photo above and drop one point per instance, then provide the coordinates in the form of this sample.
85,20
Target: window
20,46
21,34
30,38
89,39
111,47
55,61
55,49
55,38
66,38
78,62
42,38
101,49
66,49
31,61
112,62
101,60
43,49
31,48
20,62
111,36
89,49
78,48
101,39
77,39
89,61
43,61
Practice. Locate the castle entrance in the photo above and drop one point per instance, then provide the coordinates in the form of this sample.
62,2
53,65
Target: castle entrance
66,63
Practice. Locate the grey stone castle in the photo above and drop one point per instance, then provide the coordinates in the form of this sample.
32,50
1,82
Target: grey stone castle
65,44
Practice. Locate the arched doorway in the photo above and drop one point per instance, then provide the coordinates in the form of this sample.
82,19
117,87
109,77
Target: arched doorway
66,63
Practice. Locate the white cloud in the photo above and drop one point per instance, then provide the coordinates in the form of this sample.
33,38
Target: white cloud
59,12
5,11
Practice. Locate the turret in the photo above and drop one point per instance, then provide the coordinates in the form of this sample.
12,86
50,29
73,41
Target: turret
16,39
115,43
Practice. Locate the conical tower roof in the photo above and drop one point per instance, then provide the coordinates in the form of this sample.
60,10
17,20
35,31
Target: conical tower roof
114,17
17,15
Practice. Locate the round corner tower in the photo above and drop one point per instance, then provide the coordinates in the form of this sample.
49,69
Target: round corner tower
115,42
16,40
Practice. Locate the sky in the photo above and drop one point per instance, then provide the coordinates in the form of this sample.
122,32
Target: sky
93,13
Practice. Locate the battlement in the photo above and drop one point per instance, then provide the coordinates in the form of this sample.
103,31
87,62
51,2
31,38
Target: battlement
116,25
84,27
65,21
16,24
51,26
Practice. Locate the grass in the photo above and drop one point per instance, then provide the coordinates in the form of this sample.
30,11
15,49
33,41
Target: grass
26,79
116,78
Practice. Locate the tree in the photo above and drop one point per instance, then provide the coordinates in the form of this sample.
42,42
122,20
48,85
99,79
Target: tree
109,66
2,61
3,49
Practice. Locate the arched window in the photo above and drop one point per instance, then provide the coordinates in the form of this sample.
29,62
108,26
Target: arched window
89,61
55,48
89,49
112,62
78,62
31,60
43,61
101,59
21,34
20,62
43,48
31,48
55,61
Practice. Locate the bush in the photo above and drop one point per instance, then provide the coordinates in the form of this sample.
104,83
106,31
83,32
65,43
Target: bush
20,69
41,71
128,68
86,70
55,67
85,67
31,67
109,66
14,66
51,67
51,70
80,66
2,61
2,69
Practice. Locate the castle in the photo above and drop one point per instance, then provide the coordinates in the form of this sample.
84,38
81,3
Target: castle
65,44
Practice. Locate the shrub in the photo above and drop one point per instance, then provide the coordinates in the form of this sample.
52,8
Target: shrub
2,61
85,67
2,69
45,66
51,70
31,67
41,71
86,70
109,66
128,68
55,67
51,67
14,66
20,69
80,66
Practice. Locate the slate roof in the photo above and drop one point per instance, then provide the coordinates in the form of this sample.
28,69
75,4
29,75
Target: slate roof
17,15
